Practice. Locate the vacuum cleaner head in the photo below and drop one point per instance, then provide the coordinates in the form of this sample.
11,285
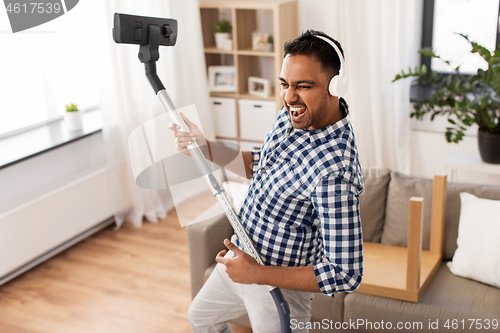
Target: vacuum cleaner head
133,29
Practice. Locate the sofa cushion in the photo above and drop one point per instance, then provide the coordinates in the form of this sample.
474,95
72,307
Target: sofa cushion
372,204
478,254
453,210
403,187
205,240
447,297
324,307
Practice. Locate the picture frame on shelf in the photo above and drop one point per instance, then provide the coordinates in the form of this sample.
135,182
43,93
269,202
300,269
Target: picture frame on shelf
259,40
222,78
259,87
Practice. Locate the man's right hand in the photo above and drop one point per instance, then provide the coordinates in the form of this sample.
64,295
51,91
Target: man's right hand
184,139
214,152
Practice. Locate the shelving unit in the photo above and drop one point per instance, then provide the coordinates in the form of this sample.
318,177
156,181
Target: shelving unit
246,17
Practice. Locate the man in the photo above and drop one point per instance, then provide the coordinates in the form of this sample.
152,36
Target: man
301,208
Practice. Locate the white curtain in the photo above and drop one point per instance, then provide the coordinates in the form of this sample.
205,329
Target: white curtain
379,38
128,99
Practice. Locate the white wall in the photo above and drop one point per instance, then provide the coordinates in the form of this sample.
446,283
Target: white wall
315,14
430,150
35,176
49,200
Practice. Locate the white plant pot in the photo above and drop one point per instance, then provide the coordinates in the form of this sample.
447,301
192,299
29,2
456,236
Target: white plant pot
73,120
269,47
220,39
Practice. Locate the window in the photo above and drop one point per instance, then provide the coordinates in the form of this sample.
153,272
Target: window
478,19
48,66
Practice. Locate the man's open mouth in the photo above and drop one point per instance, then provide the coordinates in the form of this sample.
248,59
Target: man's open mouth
297,113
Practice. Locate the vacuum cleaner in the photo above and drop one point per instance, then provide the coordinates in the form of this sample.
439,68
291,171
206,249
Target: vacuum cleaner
150,33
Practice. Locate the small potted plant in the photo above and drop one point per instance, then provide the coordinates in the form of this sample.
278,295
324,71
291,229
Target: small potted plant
222,31
464,100
73,117
269,44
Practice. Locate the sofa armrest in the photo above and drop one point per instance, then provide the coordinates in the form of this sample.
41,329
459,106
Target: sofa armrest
205,240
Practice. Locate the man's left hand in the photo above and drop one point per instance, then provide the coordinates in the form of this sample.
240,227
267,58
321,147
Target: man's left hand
242,269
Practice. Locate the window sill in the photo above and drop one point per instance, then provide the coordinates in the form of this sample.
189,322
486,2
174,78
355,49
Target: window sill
26,145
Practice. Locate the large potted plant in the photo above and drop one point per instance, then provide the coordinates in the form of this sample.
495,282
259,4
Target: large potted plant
222,30
464,100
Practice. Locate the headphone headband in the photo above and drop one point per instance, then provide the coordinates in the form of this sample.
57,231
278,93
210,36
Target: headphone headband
338,83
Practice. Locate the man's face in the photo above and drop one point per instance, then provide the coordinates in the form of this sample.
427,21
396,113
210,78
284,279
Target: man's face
304,92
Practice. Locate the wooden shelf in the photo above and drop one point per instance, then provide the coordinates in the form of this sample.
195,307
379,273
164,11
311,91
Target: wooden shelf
405,272
223,94
251,52
242,96
213,49
277,17
242,4
248,96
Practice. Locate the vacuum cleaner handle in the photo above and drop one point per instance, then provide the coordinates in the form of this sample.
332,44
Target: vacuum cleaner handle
283,310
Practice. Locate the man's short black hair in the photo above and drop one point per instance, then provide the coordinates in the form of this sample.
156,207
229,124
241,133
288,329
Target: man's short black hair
307,44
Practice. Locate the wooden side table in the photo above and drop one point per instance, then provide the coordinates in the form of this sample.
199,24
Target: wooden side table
405,272
460,161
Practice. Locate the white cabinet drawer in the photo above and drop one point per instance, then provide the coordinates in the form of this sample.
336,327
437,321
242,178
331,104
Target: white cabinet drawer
256,118
224,112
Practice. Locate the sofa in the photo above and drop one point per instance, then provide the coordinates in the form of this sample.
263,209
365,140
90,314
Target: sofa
449,303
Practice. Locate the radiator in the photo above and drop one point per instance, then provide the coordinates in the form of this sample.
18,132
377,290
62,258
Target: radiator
430,150
44,226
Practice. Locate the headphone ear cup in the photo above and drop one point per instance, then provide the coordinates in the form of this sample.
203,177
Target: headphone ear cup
342,86
332,88
338,86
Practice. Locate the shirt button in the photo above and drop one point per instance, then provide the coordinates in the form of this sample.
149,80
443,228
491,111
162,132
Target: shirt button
263,170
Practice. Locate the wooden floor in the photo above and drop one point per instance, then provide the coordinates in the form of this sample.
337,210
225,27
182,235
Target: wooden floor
133,280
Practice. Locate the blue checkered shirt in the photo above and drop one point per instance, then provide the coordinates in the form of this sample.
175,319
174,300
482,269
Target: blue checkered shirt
302,206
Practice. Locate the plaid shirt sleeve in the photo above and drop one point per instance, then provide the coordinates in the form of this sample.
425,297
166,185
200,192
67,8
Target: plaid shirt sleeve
336,201
255,160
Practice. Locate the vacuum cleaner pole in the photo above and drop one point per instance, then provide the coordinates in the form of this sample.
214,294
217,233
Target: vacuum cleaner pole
164,32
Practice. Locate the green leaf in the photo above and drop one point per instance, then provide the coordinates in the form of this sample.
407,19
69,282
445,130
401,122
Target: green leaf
448,136
223,26
427,52
424,69
71,107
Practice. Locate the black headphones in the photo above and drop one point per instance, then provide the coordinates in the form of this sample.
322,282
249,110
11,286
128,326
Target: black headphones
338,83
